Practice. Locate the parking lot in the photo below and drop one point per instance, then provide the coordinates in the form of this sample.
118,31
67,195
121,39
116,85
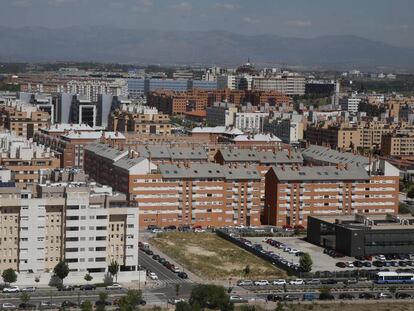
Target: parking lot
321,261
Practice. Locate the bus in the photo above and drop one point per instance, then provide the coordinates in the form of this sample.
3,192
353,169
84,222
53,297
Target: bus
393,278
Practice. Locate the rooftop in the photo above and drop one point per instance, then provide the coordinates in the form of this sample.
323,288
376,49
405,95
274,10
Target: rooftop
331,156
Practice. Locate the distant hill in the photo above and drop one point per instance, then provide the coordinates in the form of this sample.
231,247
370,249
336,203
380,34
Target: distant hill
104,44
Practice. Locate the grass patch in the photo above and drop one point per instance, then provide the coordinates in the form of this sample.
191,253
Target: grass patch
212,257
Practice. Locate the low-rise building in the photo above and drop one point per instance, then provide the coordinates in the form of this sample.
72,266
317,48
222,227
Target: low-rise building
362,234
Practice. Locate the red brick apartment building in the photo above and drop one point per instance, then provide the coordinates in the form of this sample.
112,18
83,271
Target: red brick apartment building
294,193
204,194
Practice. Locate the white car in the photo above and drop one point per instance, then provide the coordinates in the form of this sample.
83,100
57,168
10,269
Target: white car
157,231
349,264
279,282
294,251
114,286
380,257
199,230
11,289
297,282
236,299
176,270
174,301
8,306
287,249
261,283
153,276
30,289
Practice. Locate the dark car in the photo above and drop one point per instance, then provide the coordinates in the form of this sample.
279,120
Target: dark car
102,303
27,306
68,304
402,295
273,297
326,296
366,296
329,281
152,227
402,264
378,263
346,296
88,287
161,260
149,252
183,275
290,297
340,264
170,228
156,257
66,288
367,264
358,264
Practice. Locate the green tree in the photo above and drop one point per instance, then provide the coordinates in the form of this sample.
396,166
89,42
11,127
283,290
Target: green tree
88,277
86,306
61,270
9,276
403,209
100,306
305,262
24,297
183,306
212,297
246,270
113,268
130,301
410,193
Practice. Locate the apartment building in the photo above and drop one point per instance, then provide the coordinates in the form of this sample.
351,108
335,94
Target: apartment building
398,144
347,136
221,114
294,193
204,194
172,103
236,97
290,84
25,159
273,98
139,119
23,119
81,223
289,131
69,146
92,88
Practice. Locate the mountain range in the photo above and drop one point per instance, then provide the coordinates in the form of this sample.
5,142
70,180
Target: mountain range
168,47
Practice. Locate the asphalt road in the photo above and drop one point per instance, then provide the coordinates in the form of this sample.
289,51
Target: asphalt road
166,278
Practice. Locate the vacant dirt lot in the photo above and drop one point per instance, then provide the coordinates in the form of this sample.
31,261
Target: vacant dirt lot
213,258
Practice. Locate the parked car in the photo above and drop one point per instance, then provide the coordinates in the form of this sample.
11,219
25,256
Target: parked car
296,282
27,306
30,289
366,296
182,275
402,295
68,304
329,281
350,281
274,297
245,283
384,296
8,306
153,276
237,299
309,296
149,252
346,296
66,288
279,282
156,257
326,296
340,264
102,303
114,286
47,305
313,282
174,301
88,287
155,231
261,283
175,269
290,297
11,289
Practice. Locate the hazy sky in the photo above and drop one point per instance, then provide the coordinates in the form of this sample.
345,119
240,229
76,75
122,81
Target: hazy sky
386,20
